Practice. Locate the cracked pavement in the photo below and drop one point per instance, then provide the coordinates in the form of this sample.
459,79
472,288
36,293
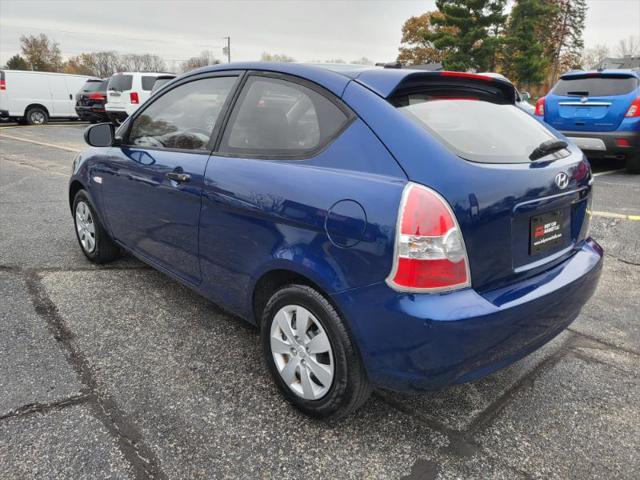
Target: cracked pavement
117,371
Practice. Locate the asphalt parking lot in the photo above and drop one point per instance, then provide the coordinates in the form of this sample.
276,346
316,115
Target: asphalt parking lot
119,372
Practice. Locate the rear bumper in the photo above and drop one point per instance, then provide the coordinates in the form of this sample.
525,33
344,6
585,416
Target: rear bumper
89,112
605,144
414,342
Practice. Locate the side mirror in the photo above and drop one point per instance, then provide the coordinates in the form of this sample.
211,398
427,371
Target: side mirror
100,135
526,96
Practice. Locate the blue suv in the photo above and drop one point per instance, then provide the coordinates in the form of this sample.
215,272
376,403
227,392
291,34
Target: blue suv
383,228
599,111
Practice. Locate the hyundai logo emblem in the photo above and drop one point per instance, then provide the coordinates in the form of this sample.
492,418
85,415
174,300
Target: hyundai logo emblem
584,99
562,180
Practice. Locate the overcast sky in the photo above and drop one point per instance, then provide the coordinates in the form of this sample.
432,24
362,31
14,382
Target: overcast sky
306,30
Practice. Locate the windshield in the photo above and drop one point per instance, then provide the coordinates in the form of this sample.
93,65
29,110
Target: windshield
595,86
120,82
481,131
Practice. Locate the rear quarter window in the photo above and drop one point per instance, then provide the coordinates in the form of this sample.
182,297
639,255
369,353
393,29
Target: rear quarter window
147,82
595,86
481,131
120,82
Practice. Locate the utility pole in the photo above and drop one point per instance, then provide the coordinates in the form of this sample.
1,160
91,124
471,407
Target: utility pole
227,49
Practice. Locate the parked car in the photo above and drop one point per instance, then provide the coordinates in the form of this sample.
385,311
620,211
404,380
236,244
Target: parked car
160,82
522,98
388,228
126,91
598,111
35,97
90,101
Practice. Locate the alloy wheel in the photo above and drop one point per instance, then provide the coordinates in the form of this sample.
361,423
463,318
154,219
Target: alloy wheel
37,117
85,227
302,352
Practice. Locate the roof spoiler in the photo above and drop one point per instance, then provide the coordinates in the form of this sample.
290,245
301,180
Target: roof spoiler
501,90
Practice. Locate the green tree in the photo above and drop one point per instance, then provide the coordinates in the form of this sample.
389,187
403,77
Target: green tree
41,53
17,63
565,42
470,31
524,59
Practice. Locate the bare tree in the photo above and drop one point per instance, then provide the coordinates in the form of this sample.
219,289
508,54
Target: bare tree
363,61
629,47
276,57
142,63
592,56
205,58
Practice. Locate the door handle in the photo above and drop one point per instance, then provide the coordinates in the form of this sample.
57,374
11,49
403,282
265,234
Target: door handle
178,177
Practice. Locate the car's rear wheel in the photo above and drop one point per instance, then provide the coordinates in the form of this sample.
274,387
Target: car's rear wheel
633,163
310,354
92,238
36,116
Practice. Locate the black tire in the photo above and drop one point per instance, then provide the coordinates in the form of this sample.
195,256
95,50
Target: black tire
633,163
105,250
36,116
350,387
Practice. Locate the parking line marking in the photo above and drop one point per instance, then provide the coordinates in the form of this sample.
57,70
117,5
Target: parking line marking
599,174
44,144
621,216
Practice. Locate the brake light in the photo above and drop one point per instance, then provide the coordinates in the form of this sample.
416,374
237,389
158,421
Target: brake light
475,76
622,142
3,84
134,97
634,109
97,96
540,107
430,255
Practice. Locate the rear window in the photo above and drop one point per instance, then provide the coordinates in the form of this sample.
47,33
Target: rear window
595,86
120,82
92,86
147,82
481,131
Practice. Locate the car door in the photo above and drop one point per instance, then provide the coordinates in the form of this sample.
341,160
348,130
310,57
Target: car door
61,100
152,183
263,195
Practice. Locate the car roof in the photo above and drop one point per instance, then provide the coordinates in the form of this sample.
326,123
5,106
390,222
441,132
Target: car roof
335,77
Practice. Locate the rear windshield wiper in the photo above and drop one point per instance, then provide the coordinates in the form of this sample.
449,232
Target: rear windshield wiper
545,148
579,94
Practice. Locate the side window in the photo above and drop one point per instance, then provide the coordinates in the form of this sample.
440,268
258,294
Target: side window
147,82
275,117
184,117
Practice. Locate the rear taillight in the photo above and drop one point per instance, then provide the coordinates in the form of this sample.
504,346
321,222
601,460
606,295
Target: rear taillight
634,109
540,107
430,255
3,84
96,96
134,97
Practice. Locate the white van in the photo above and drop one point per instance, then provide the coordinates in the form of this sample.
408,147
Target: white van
126,91
35,97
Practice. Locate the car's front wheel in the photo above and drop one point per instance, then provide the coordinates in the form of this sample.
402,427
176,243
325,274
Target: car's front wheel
93,239
310,354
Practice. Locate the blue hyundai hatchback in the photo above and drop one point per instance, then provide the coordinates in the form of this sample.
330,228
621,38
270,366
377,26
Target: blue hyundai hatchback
599,112
384,228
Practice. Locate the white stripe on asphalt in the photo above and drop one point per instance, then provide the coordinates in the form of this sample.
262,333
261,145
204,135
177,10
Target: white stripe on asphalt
599,174
36,142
